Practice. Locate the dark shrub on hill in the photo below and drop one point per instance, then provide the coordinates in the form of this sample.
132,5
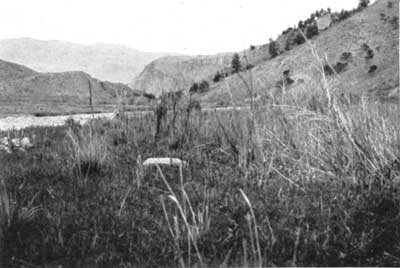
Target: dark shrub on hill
286,73
300,25
149,96
372,68
311,30
364,47
293,38
369,52
338,68
346,56
289,81
286,80
394,22
249,66
273,48
299,39
390,4
194,88
344,14
252,47
218,76
204,86
288,44
287,30
328,70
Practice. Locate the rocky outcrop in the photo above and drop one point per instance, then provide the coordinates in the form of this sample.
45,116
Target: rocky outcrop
324,22
178,73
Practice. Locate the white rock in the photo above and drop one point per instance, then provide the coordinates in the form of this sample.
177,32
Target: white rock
16,142
167,161
5,148
26,143
4,141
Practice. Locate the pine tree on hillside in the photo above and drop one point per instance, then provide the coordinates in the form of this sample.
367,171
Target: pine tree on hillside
235,64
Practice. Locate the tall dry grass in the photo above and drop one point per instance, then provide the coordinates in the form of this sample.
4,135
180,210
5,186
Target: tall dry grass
11,215
303,138
88,150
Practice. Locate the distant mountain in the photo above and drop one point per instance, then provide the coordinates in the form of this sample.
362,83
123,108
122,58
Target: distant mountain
364,46
106,62
23,90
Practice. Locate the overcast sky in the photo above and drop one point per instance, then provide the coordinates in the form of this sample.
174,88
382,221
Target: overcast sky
182,26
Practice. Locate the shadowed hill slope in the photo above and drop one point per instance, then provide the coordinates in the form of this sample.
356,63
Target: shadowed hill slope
23,90
12,71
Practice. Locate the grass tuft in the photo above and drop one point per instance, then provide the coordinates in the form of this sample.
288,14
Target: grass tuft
88,150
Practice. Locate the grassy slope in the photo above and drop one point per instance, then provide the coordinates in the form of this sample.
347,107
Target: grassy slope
365,27
179,73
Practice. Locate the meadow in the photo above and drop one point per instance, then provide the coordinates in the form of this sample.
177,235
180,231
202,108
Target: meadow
302,179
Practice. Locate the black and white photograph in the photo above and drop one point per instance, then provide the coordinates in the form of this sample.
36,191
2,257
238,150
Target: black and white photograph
199,133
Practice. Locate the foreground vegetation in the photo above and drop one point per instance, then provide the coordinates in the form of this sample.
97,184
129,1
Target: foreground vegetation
306,179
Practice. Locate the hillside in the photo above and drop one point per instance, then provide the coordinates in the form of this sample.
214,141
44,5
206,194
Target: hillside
174,73
12,71
103,61
351,39
23,90
366,45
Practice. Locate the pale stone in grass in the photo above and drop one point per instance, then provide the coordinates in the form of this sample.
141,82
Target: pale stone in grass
26,143
16,142
168,161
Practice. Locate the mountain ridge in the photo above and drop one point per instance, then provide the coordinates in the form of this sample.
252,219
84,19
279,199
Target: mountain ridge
114,63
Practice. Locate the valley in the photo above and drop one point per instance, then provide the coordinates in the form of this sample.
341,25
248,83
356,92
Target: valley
285,154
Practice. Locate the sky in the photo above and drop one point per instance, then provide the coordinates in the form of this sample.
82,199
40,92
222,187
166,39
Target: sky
176,26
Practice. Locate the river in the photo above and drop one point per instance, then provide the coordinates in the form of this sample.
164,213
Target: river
23,121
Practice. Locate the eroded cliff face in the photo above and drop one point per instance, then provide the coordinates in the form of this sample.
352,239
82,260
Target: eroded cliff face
175,73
